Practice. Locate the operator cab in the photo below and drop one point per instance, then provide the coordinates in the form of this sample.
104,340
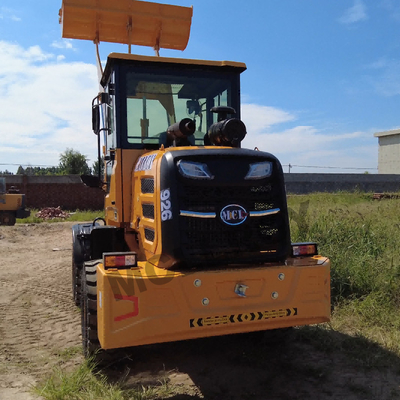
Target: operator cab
146,95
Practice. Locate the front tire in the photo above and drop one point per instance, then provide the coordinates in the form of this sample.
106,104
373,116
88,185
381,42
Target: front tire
76,283
7,218
90,341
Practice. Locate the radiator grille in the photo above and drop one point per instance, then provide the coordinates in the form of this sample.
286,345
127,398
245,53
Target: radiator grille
209,238
147,185
148,211
149,234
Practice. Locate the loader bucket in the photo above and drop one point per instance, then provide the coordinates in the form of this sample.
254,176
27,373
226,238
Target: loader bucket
130,22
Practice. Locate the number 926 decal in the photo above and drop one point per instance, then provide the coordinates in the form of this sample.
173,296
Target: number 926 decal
166,212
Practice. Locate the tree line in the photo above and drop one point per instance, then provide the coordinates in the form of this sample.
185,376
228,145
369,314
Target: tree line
71,162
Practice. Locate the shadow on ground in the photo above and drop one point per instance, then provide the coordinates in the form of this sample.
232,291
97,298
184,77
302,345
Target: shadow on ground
310,363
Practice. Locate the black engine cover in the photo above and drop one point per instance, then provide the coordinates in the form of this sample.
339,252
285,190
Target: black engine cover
227,219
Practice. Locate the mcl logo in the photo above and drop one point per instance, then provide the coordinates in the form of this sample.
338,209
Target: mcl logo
233,214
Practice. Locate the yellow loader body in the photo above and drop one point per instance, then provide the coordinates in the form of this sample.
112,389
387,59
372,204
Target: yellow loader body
12,206
151,305
10,202
196,236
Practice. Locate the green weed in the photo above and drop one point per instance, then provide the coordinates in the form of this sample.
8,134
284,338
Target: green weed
77,215
87,383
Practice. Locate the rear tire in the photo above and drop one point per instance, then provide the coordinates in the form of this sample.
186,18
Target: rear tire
90,341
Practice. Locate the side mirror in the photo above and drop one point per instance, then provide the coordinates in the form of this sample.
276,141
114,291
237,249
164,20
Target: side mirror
92,181
96,119
104,98
110,156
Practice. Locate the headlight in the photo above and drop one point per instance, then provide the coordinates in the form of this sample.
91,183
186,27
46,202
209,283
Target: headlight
194,170
259,170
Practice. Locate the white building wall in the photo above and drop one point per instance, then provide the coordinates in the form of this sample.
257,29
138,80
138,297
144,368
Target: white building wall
389,152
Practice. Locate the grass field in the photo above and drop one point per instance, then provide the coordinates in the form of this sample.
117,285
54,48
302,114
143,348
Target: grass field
361,236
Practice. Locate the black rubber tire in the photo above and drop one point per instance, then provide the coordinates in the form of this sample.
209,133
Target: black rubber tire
76,283
7,218
90,341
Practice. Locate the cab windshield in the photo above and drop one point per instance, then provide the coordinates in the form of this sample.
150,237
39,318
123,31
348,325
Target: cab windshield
155,101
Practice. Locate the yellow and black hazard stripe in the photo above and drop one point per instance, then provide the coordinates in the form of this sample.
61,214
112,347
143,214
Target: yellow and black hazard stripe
245,317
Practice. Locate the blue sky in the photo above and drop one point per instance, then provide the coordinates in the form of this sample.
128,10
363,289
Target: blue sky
322,77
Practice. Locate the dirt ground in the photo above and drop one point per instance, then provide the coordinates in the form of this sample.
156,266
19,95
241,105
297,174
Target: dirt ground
40,330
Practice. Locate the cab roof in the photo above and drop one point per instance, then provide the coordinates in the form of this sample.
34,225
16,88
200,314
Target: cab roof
115,58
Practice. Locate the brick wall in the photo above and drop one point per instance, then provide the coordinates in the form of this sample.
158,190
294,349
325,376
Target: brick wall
66,191
309,183
70,193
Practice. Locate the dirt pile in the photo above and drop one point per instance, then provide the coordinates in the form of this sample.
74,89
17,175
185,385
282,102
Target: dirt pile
52,213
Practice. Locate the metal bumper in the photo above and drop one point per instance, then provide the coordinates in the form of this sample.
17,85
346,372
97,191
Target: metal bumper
151,305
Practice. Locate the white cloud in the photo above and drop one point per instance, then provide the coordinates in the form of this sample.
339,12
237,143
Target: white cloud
305,146
259,118
380,77
379,64
393,7
7,13
45,106
384,77
354,14
63,44
35,53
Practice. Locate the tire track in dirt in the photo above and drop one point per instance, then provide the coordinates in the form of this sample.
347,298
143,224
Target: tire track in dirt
38,320
49,295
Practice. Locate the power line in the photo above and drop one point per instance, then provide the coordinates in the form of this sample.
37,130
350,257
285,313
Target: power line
29,165
328,167
283,165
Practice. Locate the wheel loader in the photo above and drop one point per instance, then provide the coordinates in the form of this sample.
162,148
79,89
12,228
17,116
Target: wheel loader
12,205
195,241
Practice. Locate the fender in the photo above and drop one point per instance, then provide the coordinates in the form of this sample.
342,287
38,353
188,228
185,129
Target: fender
90,241
81,243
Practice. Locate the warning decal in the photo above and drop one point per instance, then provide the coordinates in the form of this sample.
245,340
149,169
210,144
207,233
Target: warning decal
231,319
